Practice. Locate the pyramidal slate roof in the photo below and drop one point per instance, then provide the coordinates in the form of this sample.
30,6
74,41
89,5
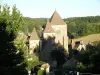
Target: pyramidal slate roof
34,35
56,19
48,28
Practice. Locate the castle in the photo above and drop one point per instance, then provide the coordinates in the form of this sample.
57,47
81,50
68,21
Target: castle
55,27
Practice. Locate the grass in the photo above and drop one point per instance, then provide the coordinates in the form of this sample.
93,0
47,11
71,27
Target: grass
86,39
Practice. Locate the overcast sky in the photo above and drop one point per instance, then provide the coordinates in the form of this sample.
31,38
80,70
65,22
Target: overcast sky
66,8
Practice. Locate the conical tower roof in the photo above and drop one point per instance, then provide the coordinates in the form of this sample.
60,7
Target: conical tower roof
48,28
56,19
34,35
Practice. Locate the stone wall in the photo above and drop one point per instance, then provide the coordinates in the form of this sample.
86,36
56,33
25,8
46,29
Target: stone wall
33,44
61,35
46,35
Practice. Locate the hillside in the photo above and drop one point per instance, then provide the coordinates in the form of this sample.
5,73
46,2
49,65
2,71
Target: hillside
77,26
86,39
82,26
30,23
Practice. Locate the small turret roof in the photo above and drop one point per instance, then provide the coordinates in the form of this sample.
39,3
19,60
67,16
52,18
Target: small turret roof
34,35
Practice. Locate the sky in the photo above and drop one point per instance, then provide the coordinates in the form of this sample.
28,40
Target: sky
66,8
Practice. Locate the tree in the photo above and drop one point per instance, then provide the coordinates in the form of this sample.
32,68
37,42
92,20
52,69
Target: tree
89,60
59,54
10,59
83,25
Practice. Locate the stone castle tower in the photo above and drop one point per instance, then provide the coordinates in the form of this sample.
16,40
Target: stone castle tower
56,27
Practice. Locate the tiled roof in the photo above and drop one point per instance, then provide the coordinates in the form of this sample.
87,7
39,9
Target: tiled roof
34,35
56,19
48,28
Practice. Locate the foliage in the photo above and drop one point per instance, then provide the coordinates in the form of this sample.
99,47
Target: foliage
14,57
10,59
41,72
59,54
14,20
89,60
81,26
33,61
80,66
29,60
30,23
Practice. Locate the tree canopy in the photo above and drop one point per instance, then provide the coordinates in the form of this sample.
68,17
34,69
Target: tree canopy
81,26
88,61
11,61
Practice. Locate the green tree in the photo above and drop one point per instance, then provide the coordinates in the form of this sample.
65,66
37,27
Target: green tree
10,59
81,26
89,60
